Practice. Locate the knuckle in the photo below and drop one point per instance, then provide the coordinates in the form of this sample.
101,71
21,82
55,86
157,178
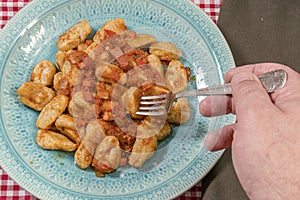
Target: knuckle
246,83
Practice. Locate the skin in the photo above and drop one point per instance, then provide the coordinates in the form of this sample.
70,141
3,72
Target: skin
265,140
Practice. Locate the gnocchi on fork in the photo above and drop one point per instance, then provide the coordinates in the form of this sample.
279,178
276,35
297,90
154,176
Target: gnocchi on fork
161,104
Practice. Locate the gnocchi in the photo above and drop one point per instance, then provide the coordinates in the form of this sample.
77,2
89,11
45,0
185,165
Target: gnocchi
107,155
166,51
54,141
109,29
85,152
43,73
176,76
180,112
74,36
52,111
66,125
88,100
35,95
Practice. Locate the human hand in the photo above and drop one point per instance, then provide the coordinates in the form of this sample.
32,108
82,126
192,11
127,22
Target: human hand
265,140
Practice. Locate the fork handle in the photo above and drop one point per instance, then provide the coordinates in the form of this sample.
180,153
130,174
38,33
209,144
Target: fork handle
215,90
271,81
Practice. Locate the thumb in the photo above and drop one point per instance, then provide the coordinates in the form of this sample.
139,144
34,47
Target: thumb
249,95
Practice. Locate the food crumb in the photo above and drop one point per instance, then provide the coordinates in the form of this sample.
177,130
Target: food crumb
192,79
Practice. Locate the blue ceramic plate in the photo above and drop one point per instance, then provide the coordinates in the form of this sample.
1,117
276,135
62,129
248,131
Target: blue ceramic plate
181,160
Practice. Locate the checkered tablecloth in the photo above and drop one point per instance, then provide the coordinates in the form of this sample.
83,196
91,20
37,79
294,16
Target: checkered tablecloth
9,190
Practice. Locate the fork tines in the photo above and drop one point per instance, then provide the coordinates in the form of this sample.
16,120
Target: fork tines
153,105
161,96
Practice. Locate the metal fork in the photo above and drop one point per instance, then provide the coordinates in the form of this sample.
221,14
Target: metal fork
161,104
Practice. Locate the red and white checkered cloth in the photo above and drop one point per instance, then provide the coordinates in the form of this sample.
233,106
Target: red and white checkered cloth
211,7
9,190
8,8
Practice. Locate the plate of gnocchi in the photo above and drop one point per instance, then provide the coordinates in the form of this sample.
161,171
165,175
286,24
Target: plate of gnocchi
72,77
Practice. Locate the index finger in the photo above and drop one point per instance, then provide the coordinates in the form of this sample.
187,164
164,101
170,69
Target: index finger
257,69
280,97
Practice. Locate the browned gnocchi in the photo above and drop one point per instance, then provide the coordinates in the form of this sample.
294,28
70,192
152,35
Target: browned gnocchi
130,99
53,140
43,73
107,155
166,51
35,95
110,28
88,98
66,125
74,36
143,150
52,111
176,76
180,112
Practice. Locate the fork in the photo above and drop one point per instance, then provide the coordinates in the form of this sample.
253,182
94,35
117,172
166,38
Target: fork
161,104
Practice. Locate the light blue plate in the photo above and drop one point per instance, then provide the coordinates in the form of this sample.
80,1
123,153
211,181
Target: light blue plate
180,162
